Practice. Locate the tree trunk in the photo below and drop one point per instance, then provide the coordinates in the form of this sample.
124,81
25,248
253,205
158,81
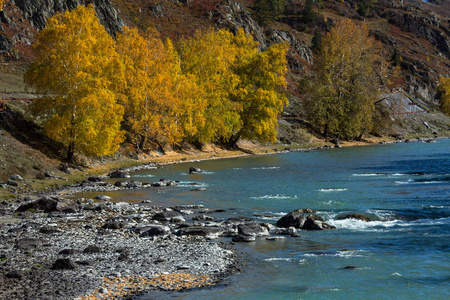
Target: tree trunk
70,151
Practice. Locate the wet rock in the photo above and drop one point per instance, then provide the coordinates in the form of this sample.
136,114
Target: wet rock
202,218
356,216
118,174
102,198
50,204
286,231
295,218
169,216
95,179
199,190
64,264
243,238
311,224
163,183
253,229
208,232
193,170
275,238
129,184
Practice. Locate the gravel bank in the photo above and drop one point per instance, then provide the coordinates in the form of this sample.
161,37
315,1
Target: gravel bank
102,251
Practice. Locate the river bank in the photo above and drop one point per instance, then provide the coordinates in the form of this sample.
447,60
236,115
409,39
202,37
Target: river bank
102,249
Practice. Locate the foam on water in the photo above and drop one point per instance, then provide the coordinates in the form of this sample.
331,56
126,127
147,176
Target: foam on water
274,197
144,176
333,190
279,259
265,168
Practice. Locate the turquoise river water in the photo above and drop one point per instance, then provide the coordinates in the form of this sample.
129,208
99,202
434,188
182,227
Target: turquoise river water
403,254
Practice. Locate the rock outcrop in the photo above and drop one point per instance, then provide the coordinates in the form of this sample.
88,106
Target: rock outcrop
22,19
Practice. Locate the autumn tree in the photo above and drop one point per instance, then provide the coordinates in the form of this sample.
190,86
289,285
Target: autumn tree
444,88
243,88
261,88
342,94
2,2
208,58
151,105
75,74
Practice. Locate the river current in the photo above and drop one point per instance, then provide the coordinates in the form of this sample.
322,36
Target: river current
404,253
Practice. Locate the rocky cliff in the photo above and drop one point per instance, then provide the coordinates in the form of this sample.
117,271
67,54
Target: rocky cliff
21,19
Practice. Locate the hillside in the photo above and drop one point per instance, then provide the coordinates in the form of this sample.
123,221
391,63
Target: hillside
415,35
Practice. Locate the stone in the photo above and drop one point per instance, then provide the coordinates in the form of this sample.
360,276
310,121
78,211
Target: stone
69,251
193,170
95,179
16,177
243,238
355,216
275,238
202,218
50,204
114,225
156,231
92,249
118,174
253,229
64,264
295,218
102,198
15,274
12,183
208,232
47,229
169,216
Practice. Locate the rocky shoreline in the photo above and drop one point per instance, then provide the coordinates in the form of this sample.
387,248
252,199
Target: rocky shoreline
56,248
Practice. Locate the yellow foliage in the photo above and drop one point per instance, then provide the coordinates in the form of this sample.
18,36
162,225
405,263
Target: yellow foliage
2,2
151,104
243,87
75,73
444,87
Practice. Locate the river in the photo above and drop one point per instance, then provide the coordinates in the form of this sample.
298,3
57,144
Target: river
404,253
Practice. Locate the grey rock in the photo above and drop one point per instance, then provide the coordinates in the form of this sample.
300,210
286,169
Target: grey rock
243,238
118,174
50,204
356,216
169,216
69,251
253,229
193,170
16,177
156,231
102,198
16,274
64,264
92,249
295,218
208,232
